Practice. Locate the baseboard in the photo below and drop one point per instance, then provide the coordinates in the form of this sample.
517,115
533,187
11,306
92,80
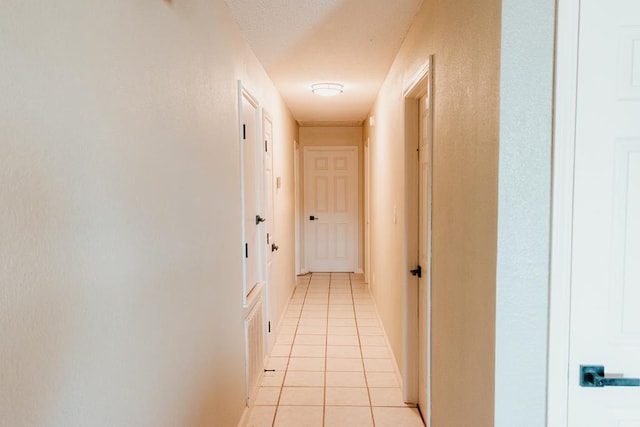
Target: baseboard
244,419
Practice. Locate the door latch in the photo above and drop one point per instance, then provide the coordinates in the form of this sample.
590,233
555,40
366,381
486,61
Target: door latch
416,272
593,376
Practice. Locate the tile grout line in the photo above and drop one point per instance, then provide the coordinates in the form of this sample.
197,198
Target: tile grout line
286,369
364,369
326,356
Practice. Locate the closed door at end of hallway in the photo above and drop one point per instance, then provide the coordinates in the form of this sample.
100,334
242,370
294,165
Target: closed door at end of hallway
330,208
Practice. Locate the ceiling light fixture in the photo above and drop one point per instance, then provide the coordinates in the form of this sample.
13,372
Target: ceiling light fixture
327,89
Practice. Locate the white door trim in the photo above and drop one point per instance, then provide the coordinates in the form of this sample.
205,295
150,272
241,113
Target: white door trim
568,12
299,261
367,210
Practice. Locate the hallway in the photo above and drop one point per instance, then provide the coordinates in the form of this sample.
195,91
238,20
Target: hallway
331,365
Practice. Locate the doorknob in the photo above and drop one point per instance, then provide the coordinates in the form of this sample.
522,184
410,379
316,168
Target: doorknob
313,218
593,376
259,219
416,272
274,247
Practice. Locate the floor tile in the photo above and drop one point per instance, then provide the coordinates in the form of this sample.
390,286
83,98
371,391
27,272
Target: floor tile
289,321
343,351
285,339
313,322
351,340
346,396
294,396
307,364
348,416
388,396
287,330
272,379
341,307
394,417
312,330
277,363
342,330
281,350
298,416
310,339
341,315
300,350
267,396
332,362
370,330
382,379
344,365
261,416
373,340
375,352
304,379
367,315
379,365
342,322
345,379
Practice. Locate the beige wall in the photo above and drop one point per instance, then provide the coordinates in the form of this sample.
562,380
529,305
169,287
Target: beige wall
120,212
339,136
464,38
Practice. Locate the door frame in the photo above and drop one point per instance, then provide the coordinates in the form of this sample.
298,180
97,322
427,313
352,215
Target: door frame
367,210
414,90
565,91
297,184
357,225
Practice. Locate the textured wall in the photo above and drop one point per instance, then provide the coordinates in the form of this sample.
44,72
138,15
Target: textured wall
526,99
464,38
120,222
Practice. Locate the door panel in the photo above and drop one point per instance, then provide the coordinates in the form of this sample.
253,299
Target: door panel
252,181
269,225
330,197
605,286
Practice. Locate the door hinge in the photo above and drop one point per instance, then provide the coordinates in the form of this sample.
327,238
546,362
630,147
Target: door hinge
269,326
267,238
246,250
244,131
265,147
416,272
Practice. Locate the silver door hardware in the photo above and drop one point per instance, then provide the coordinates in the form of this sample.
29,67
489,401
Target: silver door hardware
593,376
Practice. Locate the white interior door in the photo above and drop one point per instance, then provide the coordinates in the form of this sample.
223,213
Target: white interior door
605,284
424,256
330,208
252,179
270,223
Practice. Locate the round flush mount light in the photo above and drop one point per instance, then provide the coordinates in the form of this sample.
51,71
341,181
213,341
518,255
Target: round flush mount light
327,89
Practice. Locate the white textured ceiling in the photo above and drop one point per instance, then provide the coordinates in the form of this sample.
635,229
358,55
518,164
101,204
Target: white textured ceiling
301,42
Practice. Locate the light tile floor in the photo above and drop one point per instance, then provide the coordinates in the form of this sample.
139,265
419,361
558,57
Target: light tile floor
331,363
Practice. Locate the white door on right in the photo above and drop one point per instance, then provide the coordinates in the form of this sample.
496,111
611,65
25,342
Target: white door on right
605,284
